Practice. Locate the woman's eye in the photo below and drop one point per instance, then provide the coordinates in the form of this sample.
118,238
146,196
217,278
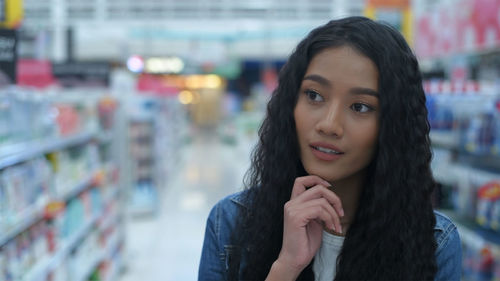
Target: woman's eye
361,108
313,96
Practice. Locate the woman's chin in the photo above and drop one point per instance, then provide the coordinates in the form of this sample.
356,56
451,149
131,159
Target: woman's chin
328,177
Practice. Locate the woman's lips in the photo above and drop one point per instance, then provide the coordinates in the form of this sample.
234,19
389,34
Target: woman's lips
325,151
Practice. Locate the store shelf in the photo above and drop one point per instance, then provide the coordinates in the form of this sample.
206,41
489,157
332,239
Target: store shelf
113,276
14,154
141,118
44,268
453,174
100,257
117,240
109,221
445,139
36,213
105,137
115,271
91,266
488,162
27,219
116,268
86,183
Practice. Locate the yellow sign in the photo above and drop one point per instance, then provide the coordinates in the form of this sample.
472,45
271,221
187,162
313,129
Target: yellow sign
385,10
12,13
390,3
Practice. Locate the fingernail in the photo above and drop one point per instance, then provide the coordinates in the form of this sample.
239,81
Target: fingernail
341,212
340,230
333,227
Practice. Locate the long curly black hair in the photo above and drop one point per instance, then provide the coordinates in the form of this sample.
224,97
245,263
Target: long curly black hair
392,234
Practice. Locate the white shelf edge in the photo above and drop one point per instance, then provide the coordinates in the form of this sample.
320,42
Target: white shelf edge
84,184
142,210
447,140
113,245
12,155
457,170
116,269
105,136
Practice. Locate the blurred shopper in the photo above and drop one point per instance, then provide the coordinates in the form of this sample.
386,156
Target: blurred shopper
340,184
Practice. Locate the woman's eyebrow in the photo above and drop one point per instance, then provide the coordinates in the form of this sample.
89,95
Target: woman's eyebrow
355,91
364,91
318,78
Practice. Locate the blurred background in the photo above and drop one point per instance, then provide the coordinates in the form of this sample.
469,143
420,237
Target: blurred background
122,122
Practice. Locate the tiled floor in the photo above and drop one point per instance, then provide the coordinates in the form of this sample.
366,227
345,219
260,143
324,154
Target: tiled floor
168,246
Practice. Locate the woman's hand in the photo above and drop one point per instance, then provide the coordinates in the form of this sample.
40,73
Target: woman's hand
308,210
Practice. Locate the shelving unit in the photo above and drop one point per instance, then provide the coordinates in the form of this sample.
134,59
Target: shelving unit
142,141
465,162
44,268
89,194
36,213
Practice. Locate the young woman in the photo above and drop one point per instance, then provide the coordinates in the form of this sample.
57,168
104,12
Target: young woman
340,184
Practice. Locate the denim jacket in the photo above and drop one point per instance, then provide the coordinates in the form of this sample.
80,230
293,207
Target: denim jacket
219,259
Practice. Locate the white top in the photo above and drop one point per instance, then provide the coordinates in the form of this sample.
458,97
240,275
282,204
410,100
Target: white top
325,260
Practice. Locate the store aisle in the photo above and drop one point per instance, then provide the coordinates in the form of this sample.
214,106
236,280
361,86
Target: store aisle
168,246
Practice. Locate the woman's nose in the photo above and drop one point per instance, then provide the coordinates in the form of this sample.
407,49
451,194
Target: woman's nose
331,122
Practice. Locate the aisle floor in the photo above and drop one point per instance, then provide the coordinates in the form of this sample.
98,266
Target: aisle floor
168,246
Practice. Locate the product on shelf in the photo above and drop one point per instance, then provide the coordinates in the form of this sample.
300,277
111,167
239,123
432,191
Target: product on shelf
73,166
480,135
471,111
68,119
31,113
106,108
488,206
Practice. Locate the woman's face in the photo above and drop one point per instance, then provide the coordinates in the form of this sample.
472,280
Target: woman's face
337,114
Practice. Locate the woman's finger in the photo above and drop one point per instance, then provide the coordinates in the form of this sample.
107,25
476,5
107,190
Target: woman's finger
332,220
302,217
301,184
320,191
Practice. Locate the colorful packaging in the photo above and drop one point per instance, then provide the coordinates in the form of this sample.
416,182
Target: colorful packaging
488,205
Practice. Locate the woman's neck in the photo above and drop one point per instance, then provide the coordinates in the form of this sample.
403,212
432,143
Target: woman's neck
349,191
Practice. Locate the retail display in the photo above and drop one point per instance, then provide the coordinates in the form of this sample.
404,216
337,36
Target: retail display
156,130
465,134
142,142
60,210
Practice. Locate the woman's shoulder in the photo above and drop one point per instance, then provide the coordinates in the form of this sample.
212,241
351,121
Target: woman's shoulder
222,217
449,248
228,208
445,230
234,201
443,222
